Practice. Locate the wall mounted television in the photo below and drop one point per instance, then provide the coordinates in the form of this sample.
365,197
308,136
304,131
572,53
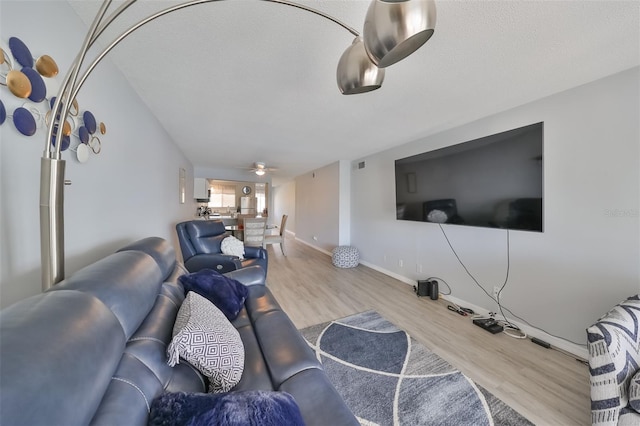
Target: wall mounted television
495,181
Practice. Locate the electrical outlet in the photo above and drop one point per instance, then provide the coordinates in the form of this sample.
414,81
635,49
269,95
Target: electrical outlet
400,263
496,290
315,238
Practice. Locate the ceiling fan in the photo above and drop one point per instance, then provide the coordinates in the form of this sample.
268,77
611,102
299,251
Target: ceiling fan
260,169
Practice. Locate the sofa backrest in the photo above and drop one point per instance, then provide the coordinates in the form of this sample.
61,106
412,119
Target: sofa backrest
126,282
91,350
55,369
201,237
160,250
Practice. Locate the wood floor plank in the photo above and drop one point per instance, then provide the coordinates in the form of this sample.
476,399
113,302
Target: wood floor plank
546,386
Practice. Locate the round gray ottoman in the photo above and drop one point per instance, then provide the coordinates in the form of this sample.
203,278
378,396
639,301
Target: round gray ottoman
345,257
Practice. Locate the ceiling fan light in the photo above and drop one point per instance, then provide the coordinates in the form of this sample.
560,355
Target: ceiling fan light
260,172
395,29
356,73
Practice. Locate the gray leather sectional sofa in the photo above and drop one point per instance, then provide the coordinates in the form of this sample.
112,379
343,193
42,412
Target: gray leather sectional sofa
92,349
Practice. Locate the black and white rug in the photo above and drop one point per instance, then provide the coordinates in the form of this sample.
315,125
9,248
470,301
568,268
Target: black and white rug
387,378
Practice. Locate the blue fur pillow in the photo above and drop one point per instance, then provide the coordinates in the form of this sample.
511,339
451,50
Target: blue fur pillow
224,292
247,408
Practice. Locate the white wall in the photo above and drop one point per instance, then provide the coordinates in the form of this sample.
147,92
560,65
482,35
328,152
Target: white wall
318,207
323,206
586,260
344,207
128,192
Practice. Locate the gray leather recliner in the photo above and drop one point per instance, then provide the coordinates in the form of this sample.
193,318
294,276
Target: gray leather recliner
200,243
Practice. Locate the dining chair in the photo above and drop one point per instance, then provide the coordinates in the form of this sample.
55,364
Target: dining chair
254,231
277,239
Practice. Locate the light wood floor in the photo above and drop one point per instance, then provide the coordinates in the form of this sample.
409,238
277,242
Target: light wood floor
544,385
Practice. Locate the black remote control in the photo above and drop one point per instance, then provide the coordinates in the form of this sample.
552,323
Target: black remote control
489,324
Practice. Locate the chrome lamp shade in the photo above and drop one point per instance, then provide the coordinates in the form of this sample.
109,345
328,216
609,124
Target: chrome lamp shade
356,73
395,29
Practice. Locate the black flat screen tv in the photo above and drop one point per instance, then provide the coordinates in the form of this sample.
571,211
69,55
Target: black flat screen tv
495,181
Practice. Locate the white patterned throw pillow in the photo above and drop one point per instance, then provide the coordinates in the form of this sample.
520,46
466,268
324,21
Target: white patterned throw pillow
205,338
634,392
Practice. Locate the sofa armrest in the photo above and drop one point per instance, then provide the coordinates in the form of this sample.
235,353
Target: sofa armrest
251,252
614,350
252,275
221,263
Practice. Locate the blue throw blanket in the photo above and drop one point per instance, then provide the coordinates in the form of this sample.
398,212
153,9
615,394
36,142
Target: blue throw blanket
224,292
248,408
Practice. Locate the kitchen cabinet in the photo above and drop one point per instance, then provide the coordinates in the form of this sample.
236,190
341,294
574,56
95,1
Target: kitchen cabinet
200,189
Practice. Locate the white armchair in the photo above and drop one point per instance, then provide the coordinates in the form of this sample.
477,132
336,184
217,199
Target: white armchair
614,365
254,231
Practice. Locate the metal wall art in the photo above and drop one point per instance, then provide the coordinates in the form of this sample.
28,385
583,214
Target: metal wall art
24,77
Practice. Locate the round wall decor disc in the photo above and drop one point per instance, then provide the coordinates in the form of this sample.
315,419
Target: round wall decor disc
21,52
89,121
83,134
82,152
46,66
19,84
3,113
38,88
24,121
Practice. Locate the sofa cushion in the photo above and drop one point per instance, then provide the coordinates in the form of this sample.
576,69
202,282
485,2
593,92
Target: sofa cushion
318,399
634,392
265,408
127,399
224,292
285,351
204,337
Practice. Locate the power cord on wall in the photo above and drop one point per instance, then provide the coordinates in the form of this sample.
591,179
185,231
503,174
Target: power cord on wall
514,331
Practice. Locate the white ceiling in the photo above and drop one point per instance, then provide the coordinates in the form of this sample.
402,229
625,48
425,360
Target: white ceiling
241,81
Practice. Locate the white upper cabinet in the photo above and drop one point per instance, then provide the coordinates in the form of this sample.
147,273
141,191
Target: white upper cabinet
200,189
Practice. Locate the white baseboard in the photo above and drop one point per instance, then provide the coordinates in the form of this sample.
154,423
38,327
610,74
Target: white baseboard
314,247
389,273
577,350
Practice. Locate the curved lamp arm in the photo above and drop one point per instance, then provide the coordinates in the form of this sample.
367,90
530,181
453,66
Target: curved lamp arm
52,167
393,27
71,85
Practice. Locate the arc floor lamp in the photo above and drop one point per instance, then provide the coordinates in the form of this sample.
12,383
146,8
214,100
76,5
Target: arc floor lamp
393,29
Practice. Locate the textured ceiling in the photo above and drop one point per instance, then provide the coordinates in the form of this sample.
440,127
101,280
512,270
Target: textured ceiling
240,81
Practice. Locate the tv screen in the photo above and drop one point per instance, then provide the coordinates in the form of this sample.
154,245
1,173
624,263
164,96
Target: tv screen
495,181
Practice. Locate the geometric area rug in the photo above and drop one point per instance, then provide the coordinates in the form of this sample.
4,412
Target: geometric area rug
387,378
